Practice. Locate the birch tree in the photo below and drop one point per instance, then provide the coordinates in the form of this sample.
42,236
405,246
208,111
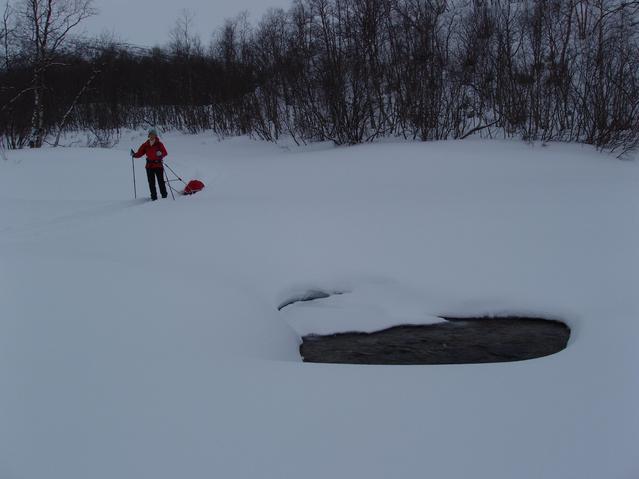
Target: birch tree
45,29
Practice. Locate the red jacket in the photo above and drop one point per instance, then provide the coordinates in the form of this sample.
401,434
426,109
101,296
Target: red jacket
154,154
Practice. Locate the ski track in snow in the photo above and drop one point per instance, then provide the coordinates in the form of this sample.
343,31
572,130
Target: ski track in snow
142,339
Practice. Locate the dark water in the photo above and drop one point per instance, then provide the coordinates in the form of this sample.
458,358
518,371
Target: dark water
456,341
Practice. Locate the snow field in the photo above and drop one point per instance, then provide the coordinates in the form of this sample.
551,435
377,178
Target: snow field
142,339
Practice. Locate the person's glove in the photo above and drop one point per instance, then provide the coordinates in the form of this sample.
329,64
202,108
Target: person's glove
158,153
132,152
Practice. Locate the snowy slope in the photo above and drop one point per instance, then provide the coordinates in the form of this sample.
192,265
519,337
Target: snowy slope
143,339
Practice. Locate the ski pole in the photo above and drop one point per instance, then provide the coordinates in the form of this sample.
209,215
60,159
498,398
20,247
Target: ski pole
176,175
135,190
168,183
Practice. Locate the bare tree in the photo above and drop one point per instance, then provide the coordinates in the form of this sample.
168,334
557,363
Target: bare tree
6,33
45,28
349,71
183,41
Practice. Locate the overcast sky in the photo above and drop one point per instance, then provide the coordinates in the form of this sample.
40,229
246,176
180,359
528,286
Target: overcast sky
147,22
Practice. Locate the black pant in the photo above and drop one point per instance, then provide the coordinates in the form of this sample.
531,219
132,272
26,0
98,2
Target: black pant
151,175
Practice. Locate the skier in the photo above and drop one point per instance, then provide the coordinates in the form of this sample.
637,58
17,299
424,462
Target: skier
155,152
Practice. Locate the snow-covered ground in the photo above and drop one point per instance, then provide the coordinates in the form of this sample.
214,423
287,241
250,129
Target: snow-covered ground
142,340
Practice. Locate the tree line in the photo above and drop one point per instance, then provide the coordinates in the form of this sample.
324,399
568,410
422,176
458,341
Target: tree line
347,71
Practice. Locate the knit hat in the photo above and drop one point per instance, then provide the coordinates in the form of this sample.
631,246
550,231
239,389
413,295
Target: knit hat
153,132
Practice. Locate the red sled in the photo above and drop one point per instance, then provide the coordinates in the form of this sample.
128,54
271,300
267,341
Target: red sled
193,187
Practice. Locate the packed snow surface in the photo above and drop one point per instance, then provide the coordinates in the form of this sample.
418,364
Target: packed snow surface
142,339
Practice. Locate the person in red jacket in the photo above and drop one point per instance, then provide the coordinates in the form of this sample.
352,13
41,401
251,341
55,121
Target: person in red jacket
155,153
